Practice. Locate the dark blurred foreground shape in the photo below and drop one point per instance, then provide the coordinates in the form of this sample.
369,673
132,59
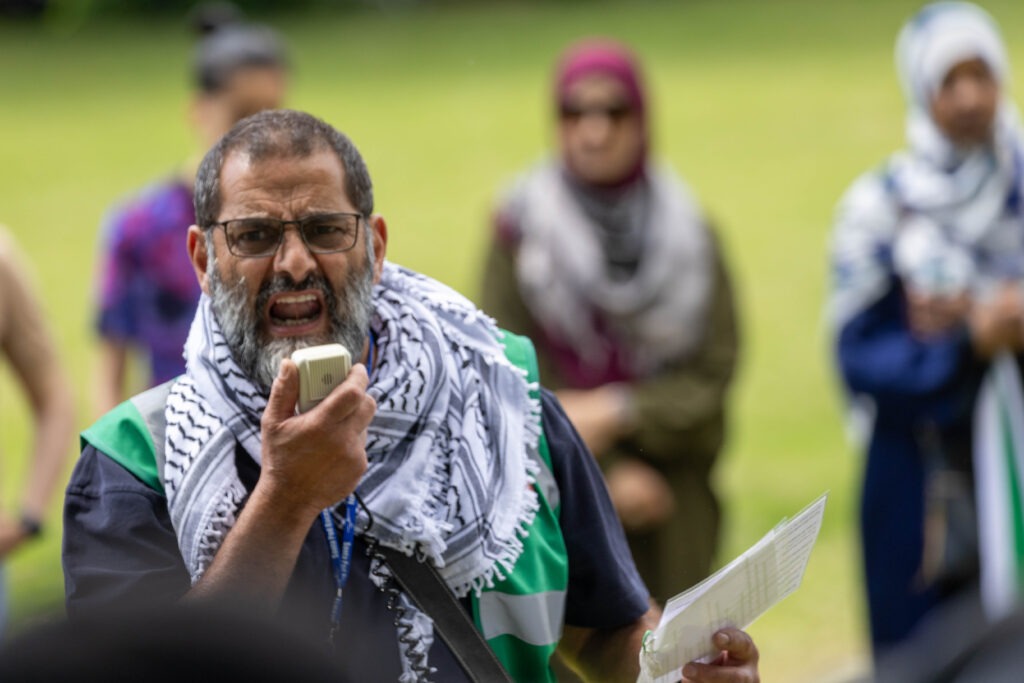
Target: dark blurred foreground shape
173,644
957,644
22,8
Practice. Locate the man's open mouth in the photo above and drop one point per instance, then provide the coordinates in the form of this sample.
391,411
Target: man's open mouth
293,310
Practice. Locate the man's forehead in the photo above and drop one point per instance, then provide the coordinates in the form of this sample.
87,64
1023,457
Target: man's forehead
282,184
236,161
319,166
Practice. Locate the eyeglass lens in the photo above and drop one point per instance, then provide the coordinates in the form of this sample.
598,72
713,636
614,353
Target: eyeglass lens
262,236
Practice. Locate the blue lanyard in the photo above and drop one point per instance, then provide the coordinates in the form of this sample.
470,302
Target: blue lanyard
341,555
369,361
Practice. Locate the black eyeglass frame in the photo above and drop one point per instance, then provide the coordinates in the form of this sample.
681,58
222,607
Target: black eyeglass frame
299,224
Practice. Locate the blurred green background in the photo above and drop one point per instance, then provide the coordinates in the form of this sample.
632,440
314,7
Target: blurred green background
769,109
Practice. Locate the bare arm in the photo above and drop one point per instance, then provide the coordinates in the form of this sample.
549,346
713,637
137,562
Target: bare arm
110,374
28,346
309,462
607,655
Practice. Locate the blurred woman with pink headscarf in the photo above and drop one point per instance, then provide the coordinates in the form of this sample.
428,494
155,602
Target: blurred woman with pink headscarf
604,258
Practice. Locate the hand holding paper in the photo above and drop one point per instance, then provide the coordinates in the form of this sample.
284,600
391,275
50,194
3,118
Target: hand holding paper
734,596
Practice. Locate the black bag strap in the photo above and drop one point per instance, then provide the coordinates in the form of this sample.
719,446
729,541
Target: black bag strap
424,585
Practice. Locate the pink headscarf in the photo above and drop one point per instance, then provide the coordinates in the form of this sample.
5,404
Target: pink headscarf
610,58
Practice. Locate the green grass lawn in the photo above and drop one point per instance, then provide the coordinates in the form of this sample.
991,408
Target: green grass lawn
769,109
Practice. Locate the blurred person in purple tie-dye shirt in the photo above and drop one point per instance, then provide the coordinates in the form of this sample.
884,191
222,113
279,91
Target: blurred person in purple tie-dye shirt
147,291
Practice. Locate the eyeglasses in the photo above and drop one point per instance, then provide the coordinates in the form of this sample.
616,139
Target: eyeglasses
613,112
322,234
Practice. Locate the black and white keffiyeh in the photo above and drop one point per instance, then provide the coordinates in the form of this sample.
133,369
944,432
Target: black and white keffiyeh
452,448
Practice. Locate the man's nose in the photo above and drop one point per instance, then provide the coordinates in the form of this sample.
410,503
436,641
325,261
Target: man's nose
293,256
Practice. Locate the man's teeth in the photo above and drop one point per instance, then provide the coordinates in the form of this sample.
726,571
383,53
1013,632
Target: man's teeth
296,299
295,309
292,322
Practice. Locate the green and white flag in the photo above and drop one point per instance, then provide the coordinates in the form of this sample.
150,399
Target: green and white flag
999,485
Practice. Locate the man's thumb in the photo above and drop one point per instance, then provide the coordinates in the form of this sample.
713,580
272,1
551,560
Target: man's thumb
284,393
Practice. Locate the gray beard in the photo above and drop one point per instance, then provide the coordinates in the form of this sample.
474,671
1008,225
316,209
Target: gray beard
348,307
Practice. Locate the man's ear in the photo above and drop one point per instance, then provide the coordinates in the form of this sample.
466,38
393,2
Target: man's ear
379,234
197,254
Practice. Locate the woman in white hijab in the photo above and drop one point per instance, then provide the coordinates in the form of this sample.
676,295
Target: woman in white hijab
927,259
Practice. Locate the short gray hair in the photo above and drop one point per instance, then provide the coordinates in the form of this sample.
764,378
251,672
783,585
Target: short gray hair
284,134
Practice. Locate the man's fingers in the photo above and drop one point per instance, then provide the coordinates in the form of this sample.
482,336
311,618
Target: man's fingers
341,402
359,376
736,665
348,403
711,673
284,393
737,643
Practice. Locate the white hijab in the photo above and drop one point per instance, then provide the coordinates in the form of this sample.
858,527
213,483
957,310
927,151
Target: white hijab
944,212
966,188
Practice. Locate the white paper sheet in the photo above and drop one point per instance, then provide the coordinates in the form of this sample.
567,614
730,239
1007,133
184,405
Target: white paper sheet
735,595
